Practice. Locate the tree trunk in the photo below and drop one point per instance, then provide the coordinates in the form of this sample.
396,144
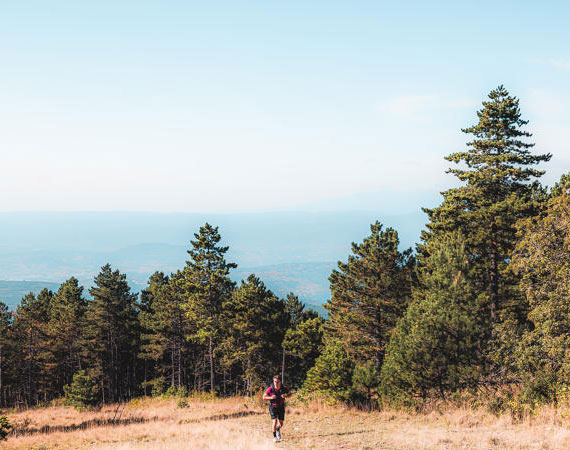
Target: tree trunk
283,368
493,283
211,366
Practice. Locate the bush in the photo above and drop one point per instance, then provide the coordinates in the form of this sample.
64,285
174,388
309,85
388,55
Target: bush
182,403
83,392
156,386
366,378
5,427
331,376
176,392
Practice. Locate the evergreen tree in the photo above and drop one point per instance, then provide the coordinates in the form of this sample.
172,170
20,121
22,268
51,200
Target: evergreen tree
331,376
64,332
297,368
166,326
542,355
437,345
303,344
31,356
111,334
256,322
366,378
369,294
5,324
208,285
499,190
82,392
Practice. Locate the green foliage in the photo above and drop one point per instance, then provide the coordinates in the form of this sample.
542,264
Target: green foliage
437,345
111,333
83,391
5,427
207,286
331,376
176,392
366,379
165,327
64,331
543,263
256,321
33,357
369,293
156,386
498,171
182,403
302,345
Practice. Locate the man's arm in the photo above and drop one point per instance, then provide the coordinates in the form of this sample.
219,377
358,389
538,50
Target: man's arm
267,396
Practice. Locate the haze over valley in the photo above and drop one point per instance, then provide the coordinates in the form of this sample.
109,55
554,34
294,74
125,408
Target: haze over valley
289,251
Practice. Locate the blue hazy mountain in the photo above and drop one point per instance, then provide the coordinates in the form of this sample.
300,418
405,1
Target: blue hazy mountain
289,251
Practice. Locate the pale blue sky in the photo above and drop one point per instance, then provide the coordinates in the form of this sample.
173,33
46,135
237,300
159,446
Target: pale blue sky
252,106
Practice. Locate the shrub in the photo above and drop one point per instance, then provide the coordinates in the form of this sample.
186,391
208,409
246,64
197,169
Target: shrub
82,392
175,392
331,376
156,386
5,427
182,403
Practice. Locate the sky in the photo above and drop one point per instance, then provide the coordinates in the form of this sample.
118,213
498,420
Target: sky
183,106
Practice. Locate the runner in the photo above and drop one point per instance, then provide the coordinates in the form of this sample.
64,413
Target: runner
276,394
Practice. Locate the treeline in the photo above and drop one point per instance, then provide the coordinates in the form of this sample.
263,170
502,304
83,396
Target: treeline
191,330
482,305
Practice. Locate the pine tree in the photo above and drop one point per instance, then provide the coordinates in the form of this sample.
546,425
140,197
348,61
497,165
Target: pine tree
208,285
31,355
111,334
5,325
369,294
437,345
256,322
166,327
331,376
82,391
541,354
64,329
303,344
499,190
296,313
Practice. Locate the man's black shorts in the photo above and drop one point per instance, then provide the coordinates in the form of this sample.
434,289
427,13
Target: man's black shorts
277,412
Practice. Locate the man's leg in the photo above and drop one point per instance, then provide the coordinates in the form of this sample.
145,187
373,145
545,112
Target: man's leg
275,422
281,417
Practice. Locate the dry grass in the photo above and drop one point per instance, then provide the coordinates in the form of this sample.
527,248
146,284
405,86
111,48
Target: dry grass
241,423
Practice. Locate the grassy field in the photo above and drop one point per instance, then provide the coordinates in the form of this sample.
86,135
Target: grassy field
241,423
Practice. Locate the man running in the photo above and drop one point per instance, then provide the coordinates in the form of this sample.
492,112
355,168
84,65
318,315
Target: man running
276,394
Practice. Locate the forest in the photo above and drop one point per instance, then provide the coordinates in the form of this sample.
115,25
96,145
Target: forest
480,306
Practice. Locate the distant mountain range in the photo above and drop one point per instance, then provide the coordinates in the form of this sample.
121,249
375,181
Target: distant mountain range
289,251
307,280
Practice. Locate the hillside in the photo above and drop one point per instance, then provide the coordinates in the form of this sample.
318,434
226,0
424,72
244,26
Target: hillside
11,292
242,424
289,251
307,280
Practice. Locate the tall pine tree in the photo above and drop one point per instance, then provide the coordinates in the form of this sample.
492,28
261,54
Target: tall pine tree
369,294
5,324
499,189
64,330
208,285
437,345
111,334
256,322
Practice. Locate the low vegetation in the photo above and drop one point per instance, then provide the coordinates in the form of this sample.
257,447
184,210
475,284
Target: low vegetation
243,423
